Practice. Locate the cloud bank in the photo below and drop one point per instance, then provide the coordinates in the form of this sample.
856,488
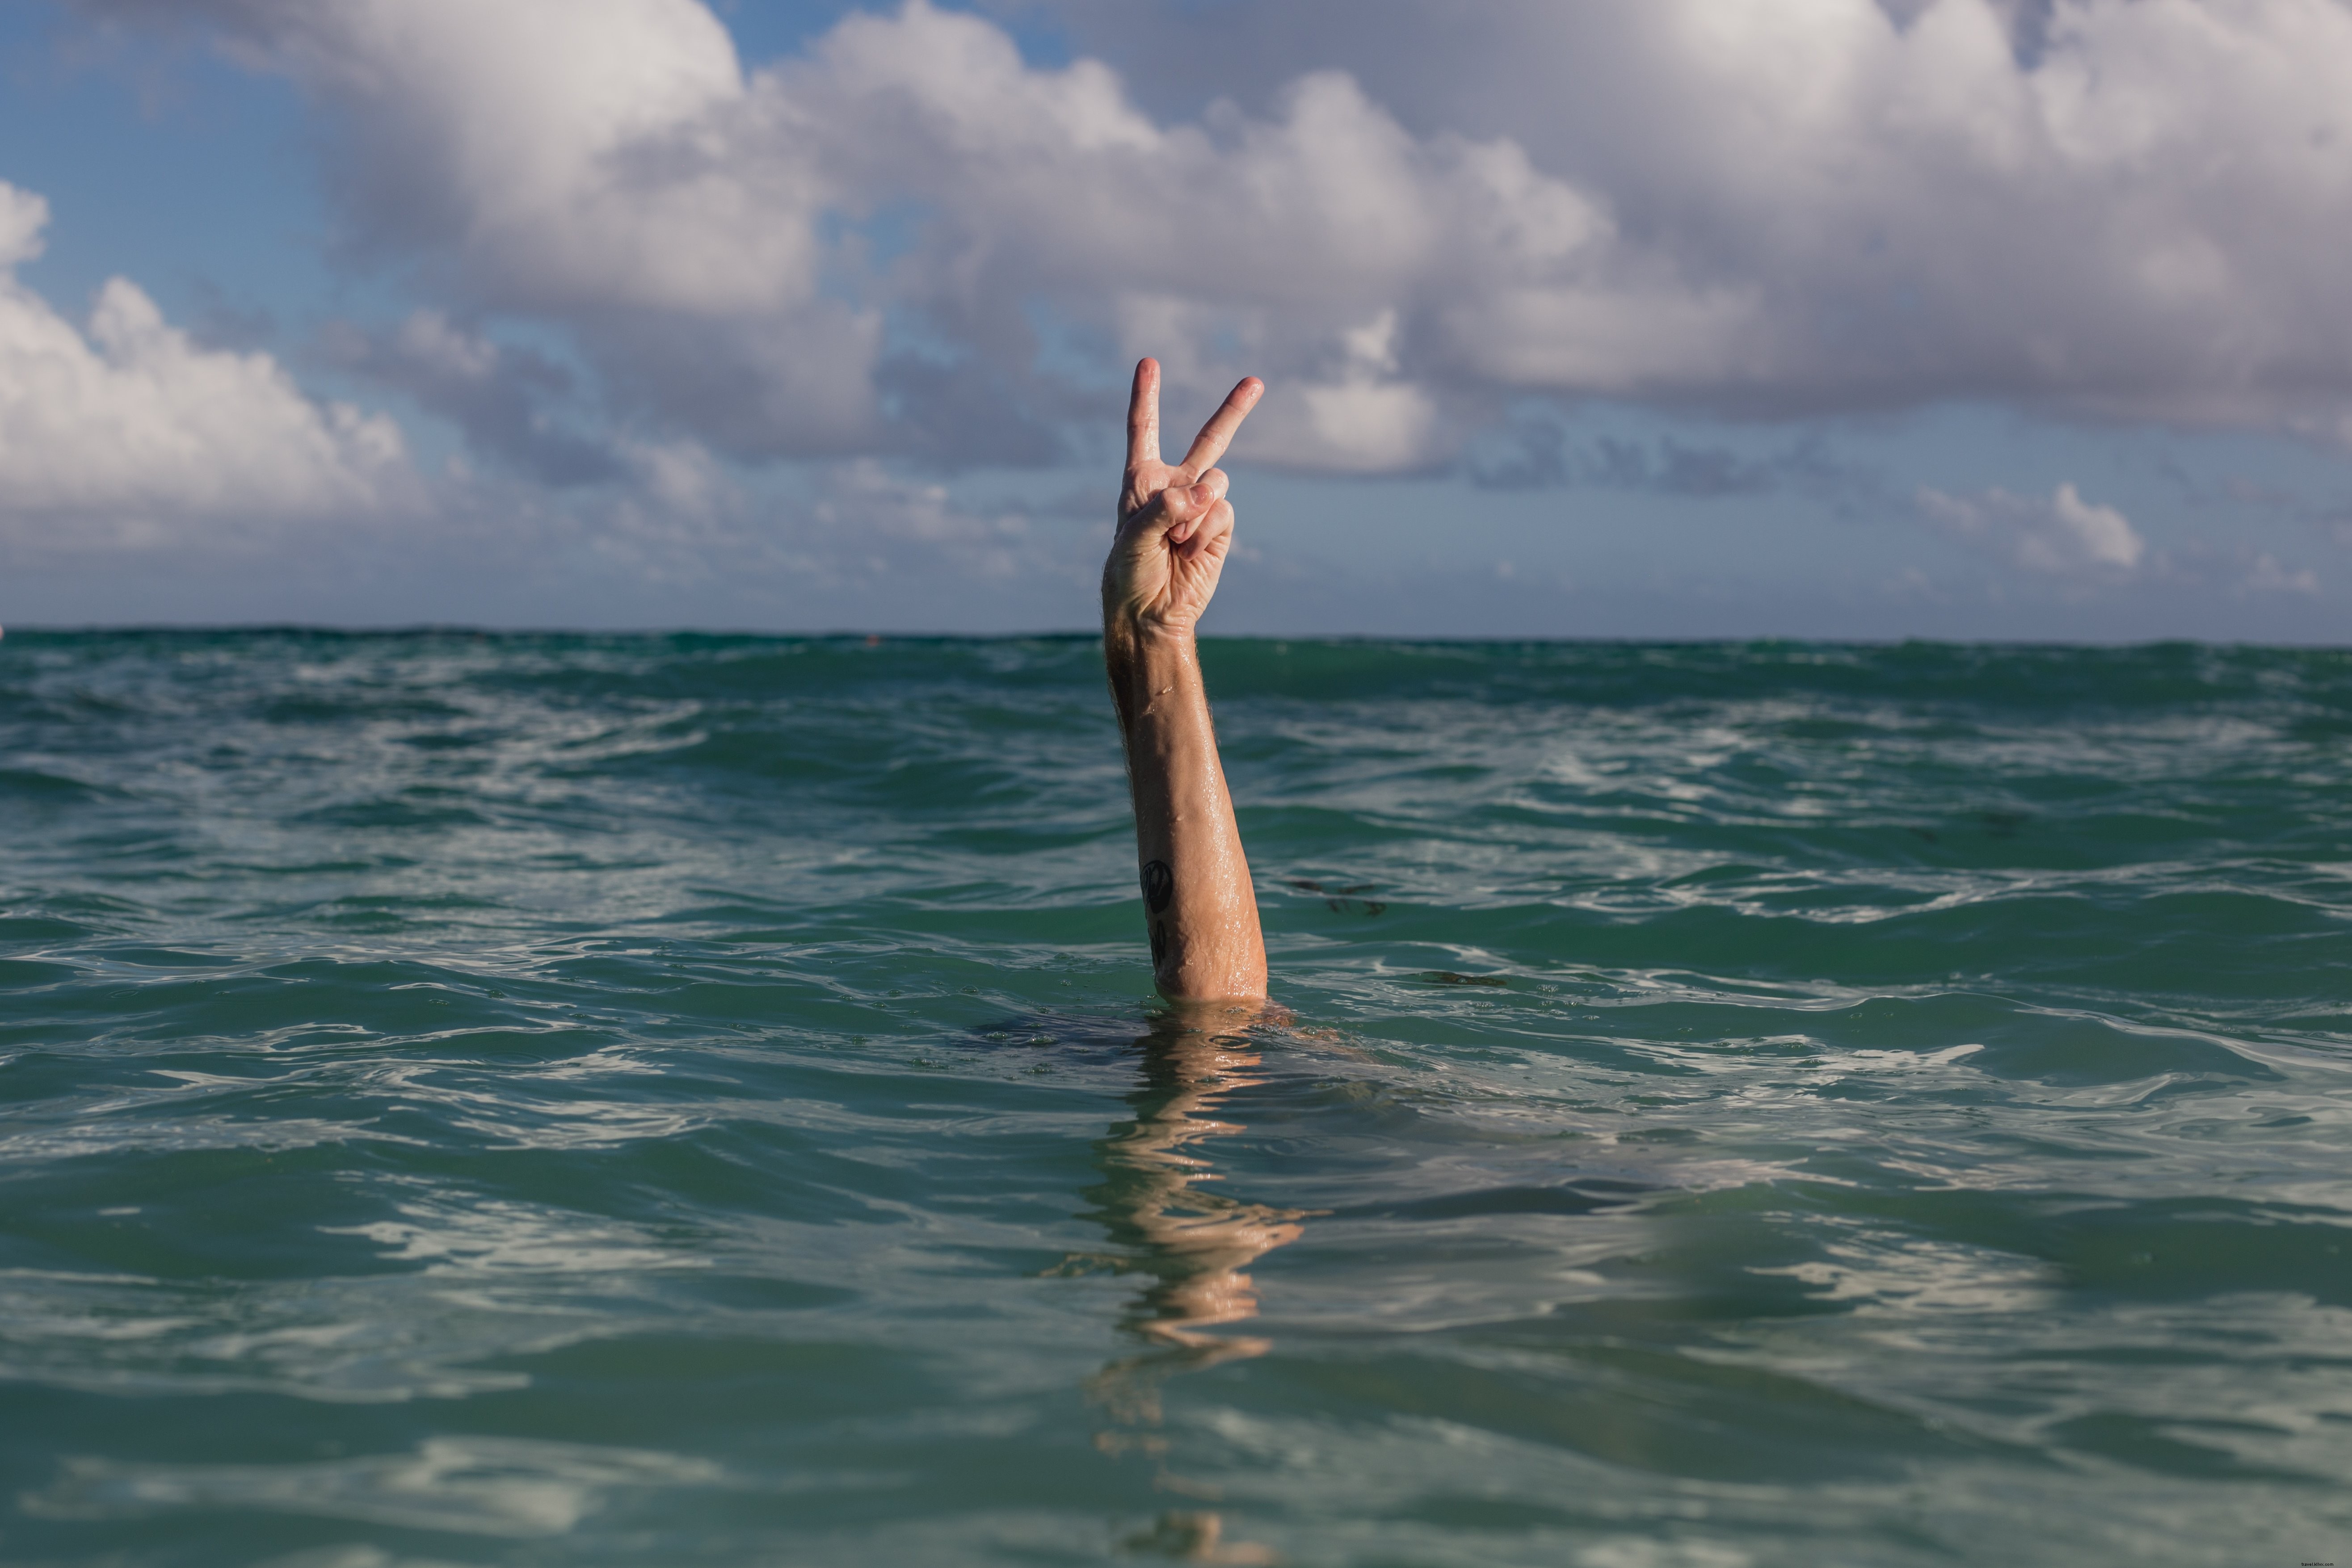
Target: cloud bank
127,424
701,323
908,240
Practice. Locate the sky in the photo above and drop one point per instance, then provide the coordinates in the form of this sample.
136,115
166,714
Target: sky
1829,318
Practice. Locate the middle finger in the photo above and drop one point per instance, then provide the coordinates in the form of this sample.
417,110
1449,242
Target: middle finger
1218,433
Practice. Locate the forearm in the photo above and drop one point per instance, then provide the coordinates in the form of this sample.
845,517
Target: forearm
1200,906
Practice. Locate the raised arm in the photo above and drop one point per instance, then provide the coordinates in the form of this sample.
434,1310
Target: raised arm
1174,529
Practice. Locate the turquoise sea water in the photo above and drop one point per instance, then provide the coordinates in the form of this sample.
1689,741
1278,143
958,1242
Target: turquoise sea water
548,1101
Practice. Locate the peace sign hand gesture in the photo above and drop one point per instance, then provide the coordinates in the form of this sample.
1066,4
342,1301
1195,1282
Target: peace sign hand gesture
1174,529
1174,524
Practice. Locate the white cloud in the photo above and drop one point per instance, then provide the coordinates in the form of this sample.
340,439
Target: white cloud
24,215
571,153
608,165
2139,210
2060,536
2267,577
127,427
599,163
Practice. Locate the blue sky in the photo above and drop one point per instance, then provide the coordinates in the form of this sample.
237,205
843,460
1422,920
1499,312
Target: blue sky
1833,318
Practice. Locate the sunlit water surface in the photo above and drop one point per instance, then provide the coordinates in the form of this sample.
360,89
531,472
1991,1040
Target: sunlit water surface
549,1100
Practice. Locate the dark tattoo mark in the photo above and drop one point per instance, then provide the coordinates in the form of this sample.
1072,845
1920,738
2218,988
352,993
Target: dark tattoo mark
1159,885
1158,941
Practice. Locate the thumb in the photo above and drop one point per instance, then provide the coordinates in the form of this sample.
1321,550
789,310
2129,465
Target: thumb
1173,514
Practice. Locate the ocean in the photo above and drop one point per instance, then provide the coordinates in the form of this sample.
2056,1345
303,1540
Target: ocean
684,1100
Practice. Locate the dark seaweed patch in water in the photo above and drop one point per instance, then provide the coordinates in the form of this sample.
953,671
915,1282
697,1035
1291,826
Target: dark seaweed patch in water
1344,901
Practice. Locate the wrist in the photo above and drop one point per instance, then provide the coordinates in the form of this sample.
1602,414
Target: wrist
1146,662
1135,633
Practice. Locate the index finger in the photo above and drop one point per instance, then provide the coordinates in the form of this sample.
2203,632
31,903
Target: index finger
1218,433
1143,414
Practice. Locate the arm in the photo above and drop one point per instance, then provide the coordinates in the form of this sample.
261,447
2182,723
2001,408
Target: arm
1174,530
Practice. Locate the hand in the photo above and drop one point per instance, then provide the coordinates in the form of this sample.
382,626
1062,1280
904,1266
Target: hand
1174,524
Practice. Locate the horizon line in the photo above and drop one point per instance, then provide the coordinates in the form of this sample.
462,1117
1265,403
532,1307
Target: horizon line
872,638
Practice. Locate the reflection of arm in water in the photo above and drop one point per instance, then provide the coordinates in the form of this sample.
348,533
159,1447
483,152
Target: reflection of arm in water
1174,529
1195,1238
1196,1243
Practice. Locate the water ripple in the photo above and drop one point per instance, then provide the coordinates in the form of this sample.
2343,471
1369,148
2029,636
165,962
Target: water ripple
696,1100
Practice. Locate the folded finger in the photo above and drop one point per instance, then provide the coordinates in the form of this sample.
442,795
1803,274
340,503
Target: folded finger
1173,511
1218,433
1189,501
1211,535
1143,414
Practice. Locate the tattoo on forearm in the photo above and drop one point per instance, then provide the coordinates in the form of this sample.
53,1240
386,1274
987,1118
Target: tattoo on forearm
1159,943
1159,885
